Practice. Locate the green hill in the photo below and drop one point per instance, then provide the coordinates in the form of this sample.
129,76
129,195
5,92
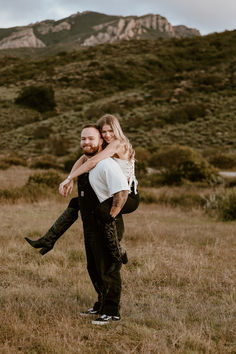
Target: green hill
164,91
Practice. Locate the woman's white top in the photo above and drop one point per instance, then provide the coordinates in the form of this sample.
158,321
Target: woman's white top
107,178
128,168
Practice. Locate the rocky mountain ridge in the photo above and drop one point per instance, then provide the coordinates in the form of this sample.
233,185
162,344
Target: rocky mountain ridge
91,28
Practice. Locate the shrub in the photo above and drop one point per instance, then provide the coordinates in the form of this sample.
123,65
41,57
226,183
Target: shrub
40,98
50,179
179,163
223,204
151,180
184,199
45,163
28,193
223,160
142,154
69,162
211,82
6,162
93,112
42,132
15,160
140,169
31,192
186,113
59,145
147,197
4,165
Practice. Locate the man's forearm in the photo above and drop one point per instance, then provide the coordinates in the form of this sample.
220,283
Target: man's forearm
118,202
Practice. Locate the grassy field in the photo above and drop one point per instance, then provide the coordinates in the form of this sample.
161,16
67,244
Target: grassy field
178,287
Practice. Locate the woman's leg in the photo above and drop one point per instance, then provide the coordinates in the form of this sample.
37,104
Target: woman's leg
65,220
112,240
131,203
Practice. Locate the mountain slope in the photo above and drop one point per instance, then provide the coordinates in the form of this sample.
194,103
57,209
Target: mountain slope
164,91
91,28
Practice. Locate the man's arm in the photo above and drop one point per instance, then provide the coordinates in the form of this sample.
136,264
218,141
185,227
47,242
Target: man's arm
118,202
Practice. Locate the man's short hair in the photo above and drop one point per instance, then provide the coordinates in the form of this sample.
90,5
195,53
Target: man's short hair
90,126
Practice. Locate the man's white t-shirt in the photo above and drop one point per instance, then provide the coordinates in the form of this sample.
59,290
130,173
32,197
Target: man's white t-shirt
107,178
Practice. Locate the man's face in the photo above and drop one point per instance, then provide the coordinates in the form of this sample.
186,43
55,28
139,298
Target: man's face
91,141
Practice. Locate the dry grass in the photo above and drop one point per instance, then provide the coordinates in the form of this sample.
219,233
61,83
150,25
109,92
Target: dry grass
16,176
178,287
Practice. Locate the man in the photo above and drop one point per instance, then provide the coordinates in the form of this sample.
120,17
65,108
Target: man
104,181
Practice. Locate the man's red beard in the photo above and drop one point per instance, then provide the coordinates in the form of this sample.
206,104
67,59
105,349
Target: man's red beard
93,150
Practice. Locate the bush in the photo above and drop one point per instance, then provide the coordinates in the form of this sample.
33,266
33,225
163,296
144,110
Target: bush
184,199
59,145
186,113
45,163
211,82
223,204
147,197
42,132
69,162
179,163
151,180
6,162
142,154
15,160
50,179
223,160
40,98
140,169
28,193
4,165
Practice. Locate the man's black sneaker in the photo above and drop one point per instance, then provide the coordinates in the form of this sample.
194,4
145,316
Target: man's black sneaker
105,319
89,312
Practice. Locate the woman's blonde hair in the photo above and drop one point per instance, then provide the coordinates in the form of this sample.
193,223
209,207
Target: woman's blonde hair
118,132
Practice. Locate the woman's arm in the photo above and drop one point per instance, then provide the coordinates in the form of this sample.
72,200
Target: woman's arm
78,163
109,151
67,185
79,167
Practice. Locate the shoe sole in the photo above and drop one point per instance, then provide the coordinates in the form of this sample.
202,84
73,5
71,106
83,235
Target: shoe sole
102,323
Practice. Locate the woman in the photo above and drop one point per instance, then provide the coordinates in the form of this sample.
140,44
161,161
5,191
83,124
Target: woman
116,145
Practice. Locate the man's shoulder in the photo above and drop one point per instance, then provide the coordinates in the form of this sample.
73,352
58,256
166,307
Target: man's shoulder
106,162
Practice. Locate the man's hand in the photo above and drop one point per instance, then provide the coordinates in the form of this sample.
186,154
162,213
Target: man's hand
66,187
119,199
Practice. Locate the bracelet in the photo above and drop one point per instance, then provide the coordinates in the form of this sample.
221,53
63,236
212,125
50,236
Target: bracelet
69,178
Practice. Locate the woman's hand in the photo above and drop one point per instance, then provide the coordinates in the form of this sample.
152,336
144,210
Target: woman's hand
66,187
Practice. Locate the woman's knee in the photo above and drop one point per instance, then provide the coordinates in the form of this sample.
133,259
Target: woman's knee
131,204
74,203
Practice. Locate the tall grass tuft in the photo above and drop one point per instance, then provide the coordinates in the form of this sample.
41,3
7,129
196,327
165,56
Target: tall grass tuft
38,186
12,160
223,204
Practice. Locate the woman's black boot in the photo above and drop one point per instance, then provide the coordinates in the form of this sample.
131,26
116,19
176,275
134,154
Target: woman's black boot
117,252
65,220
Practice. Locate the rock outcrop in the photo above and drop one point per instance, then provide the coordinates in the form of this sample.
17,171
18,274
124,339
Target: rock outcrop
183,31
131,28
90,28
21,38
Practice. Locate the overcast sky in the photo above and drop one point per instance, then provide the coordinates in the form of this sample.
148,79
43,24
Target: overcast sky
206,15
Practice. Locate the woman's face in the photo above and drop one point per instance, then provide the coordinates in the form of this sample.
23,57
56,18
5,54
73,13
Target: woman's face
107,133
